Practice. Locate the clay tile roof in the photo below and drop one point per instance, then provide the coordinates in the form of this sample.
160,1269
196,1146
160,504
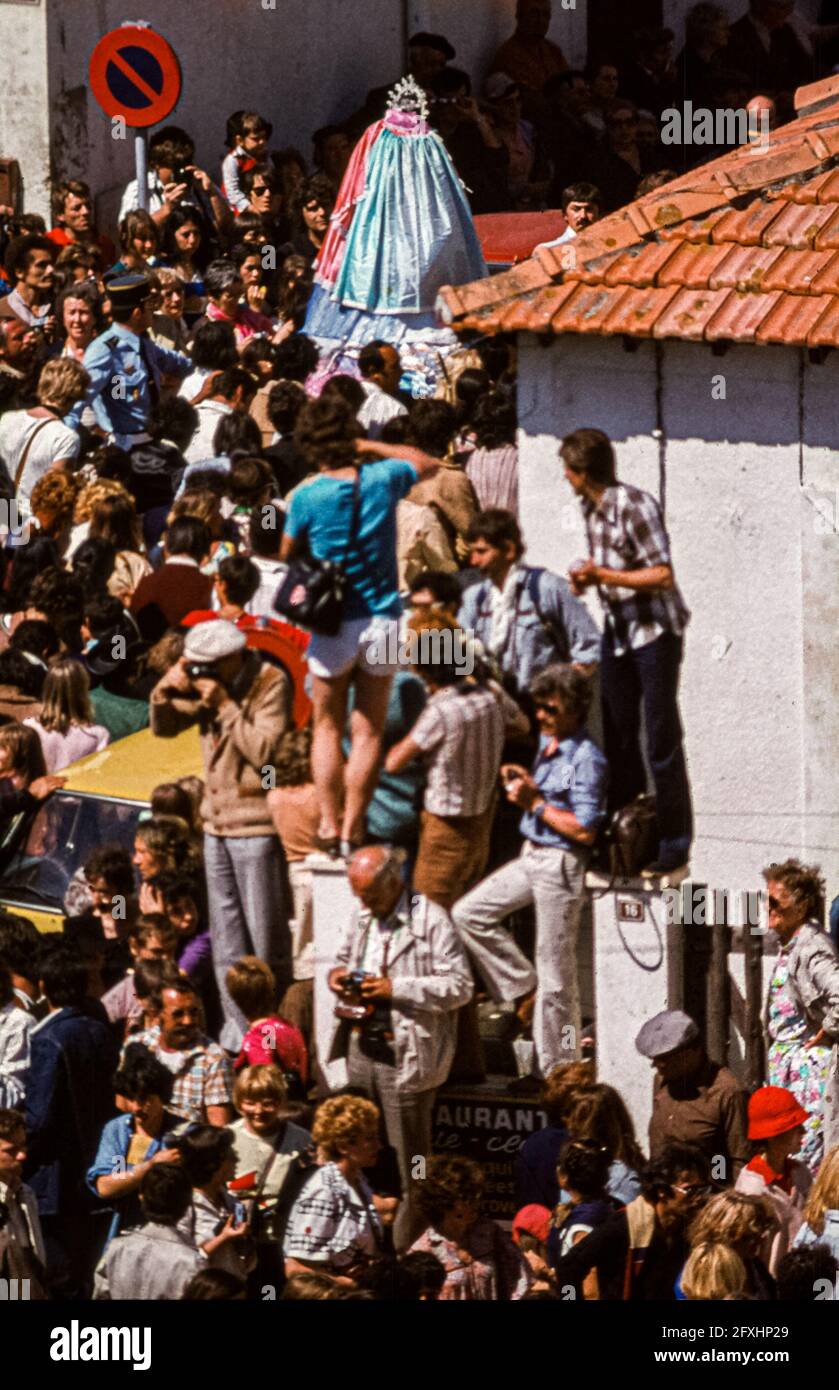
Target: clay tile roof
742,249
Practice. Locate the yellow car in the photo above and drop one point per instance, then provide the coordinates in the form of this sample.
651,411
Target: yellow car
101,803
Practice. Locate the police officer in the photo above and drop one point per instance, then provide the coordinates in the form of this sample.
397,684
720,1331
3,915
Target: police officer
125,366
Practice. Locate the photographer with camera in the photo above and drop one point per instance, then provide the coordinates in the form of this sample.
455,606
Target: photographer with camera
242,709
400,977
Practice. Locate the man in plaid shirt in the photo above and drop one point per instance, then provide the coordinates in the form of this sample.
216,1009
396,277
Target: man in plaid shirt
646,617
203,1090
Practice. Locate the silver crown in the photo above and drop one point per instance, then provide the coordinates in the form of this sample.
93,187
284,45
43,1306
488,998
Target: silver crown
407,95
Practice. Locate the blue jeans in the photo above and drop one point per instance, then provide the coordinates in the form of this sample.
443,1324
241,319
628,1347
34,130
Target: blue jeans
248,915
650,676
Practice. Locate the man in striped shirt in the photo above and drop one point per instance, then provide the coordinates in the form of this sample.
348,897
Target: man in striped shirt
460,734
646,616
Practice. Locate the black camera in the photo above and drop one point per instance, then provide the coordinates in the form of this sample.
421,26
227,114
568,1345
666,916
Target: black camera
201,671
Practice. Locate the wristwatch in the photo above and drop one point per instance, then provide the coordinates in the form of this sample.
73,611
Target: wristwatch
538,807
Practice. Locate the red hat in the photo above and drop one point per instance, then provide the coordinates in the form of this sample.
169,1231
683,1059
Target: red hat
535,1220
773,1110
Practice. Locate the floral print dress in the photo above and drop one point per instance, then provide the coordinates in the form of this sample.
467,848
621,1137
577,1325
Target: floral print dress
804,1071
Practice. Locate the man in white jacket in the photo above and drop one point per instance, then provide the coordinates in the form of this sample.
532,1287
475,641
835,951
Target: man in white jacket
401,975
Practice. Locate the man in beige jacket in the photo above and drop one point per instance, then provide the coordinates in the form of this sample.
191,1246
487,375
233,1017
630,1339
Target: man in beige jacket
243,710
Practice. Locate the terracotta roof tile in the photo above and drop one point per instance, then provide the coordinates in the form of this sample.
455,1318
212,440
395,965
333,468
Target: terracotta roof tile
642,265
739,316
637,311
688,314
795,271
692,265
587,309
744,267
825,333
743,248
828,237
535,313
797,225
793,319
748,228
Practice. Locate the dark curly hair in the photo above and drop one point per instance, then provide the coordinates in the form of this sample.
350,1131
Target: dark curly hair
804,882
60,597
326,433
447,1182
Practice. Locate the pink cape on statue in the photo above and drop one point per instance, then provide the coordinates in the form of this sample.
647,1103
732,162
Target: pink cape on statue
331,254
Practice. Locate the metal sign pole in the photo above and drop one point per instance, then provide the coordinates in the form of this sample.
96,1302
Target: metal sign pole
141,152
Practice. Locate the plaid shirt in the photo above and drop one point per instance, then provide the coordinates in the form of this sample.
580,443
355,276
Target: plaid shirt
204,1077
331,1223
626,531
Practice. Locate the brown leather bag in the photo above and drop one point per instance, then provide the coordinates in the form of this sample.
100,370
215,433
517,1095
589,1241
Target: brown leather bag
632,837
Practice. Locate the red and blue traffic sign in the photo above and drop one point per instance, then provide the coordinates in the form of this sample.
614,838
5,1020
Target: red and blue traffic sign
135,73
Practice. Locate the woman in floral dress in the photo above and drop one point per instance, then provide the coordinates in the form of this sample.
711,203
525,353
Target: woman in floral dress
802,1019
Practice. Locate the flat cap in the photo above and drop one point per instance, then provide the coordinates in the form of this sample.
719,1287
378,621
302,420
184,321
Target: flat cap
213,640
666,1032
130,291
442,45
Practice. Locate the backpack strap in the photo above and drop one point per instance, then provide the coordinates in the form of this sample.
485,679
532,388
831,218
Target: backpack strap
24,458
557,634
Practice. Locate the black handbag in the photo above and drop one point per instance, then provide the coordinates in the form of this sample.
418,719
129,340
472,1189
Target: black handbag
313,593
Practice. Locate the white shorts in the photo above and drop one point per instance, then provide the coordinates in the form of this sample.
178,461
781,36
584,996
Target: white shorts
371,644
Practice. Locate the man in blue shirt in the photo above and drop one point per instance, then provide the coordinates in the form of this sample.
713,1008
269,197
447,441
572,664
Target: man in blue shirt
525,618
125,366
564,804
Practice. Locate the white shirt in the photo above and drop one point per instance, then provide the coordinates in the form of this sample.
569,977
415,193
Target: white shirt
130,201
568,235
271,575
201,445
15,1027
53,443
191,385
378,409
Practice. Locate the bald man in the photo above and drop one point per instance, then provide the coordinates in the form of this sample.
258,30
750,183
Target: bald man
401,959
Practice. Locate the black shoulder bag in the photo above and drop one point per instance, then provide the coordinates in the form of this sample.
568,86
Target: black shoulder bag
313,593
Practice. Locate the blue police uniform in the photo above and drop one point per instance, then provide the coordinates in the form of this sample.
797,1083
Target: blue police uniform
125,373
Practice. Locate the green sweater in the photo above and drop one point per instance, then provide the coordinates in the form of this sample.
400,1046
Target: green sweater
120,716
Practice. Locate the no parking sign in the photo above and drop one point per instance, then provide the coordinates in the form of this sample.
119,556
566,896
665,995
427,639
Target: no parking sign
136,77
134,73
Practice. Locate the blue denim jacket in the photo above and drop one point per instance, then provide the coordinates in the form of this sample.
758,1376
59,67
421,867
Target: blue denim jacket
564,632
112,1153
571,778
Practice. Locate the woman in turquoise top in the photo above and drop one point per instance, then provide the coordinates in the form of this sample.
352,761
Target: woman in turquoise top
364,653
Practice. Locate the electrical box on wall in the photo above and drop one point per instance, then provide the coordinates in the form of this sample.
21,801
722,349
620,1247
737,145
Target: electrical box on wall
630,909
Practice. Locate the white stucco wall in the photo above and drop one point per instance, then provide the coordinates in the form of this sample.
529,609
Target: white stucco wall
302,64
24,120
757,562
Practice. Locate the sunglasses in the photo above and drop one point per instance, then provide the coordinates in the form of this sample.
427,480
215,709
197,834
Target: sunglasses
692,1189
549,709
775,906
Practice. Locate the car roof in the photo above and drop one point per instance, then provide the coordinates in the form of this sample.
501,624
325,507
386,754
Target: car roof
131,768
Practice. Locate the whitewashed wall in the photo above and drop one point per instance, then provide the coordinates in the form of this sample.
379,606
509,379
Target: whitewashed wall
303,63
24,115
755,555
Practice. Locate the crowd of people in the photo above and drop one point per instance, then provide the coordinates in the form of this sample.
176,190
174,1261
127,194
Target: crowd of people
173,456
